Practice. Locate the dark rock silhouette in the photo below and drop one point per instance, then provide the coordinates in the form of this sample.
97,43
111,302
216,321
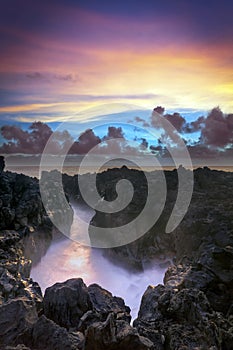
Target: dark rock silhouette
2,164
192,310
65,303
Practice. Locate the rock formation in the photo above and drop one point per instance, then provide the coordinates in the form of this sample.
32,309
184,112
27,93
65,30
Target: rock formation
2,164
194,307
192,310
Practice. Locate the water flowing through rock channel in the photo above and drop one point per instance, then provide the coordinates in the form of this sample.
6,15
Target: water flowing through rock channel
68,259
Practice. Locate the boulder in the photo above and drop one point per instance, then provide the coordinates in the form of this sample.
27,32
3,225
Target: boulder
104,303
65,303
72,304
17,317
115,334
168,315
48,335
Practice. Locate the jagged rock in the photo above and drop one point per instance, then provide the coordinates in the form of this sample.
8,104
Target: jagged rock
8,238
15,270
2,164
103,302
72,304
48,335
18,347
192,310
65,303
115,335
55,200
174,314
17,316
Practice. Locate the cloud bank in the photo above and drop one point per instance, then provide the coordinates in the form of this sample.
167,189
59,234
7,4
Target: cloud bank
215,138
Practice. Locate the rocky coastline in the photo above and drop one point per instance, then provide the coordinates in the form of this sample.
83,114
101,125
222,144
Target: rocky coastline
193,309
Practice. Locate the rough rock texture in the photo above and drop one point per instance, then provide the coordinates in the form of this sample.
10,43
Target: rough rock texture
48,335
92,319
192,310
17,317
18,347
56,200
15,278
208,217
65,303
154,244
73,305
113,335
20,205
2,164
178,319
24,224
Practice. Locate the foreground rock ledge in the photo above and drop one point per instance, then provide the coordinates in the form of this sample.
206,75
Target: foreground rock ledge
192,310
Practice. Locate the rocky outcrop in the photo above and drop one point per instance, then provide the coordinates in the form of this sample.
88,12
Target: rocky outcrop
152,245
20,206
15,270
101,320
192,310
22,219
56,200
74,316
48,335
17,317
208,216
65,303
73,305
23,223
115,334
2,164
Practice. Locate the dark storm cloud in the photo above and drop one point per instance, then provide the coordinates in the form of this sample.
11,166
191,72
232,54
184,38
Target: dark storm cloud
216,133
217,130
86,141
216,137
113,133
145,124
144,144
201,151
195,125
29,142
175,119
156,149
33,140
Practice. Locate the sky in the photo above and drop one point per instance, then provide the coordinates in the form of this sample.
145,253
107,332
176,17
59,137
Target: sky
60,57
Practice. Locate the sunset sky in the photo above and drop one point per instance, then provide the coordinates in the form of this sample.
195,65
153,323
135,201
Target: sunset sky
59,57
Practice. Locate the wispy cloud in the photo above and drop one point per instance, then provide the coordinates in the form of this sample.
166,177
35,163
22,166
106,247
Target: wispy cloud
50,76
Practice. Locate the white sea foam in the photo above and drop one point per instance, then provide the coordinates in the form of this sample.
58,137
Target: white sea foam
68,259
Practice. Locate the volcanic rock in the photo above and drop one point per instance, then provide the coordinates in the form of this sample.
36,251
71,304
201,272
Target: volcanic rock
115,335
